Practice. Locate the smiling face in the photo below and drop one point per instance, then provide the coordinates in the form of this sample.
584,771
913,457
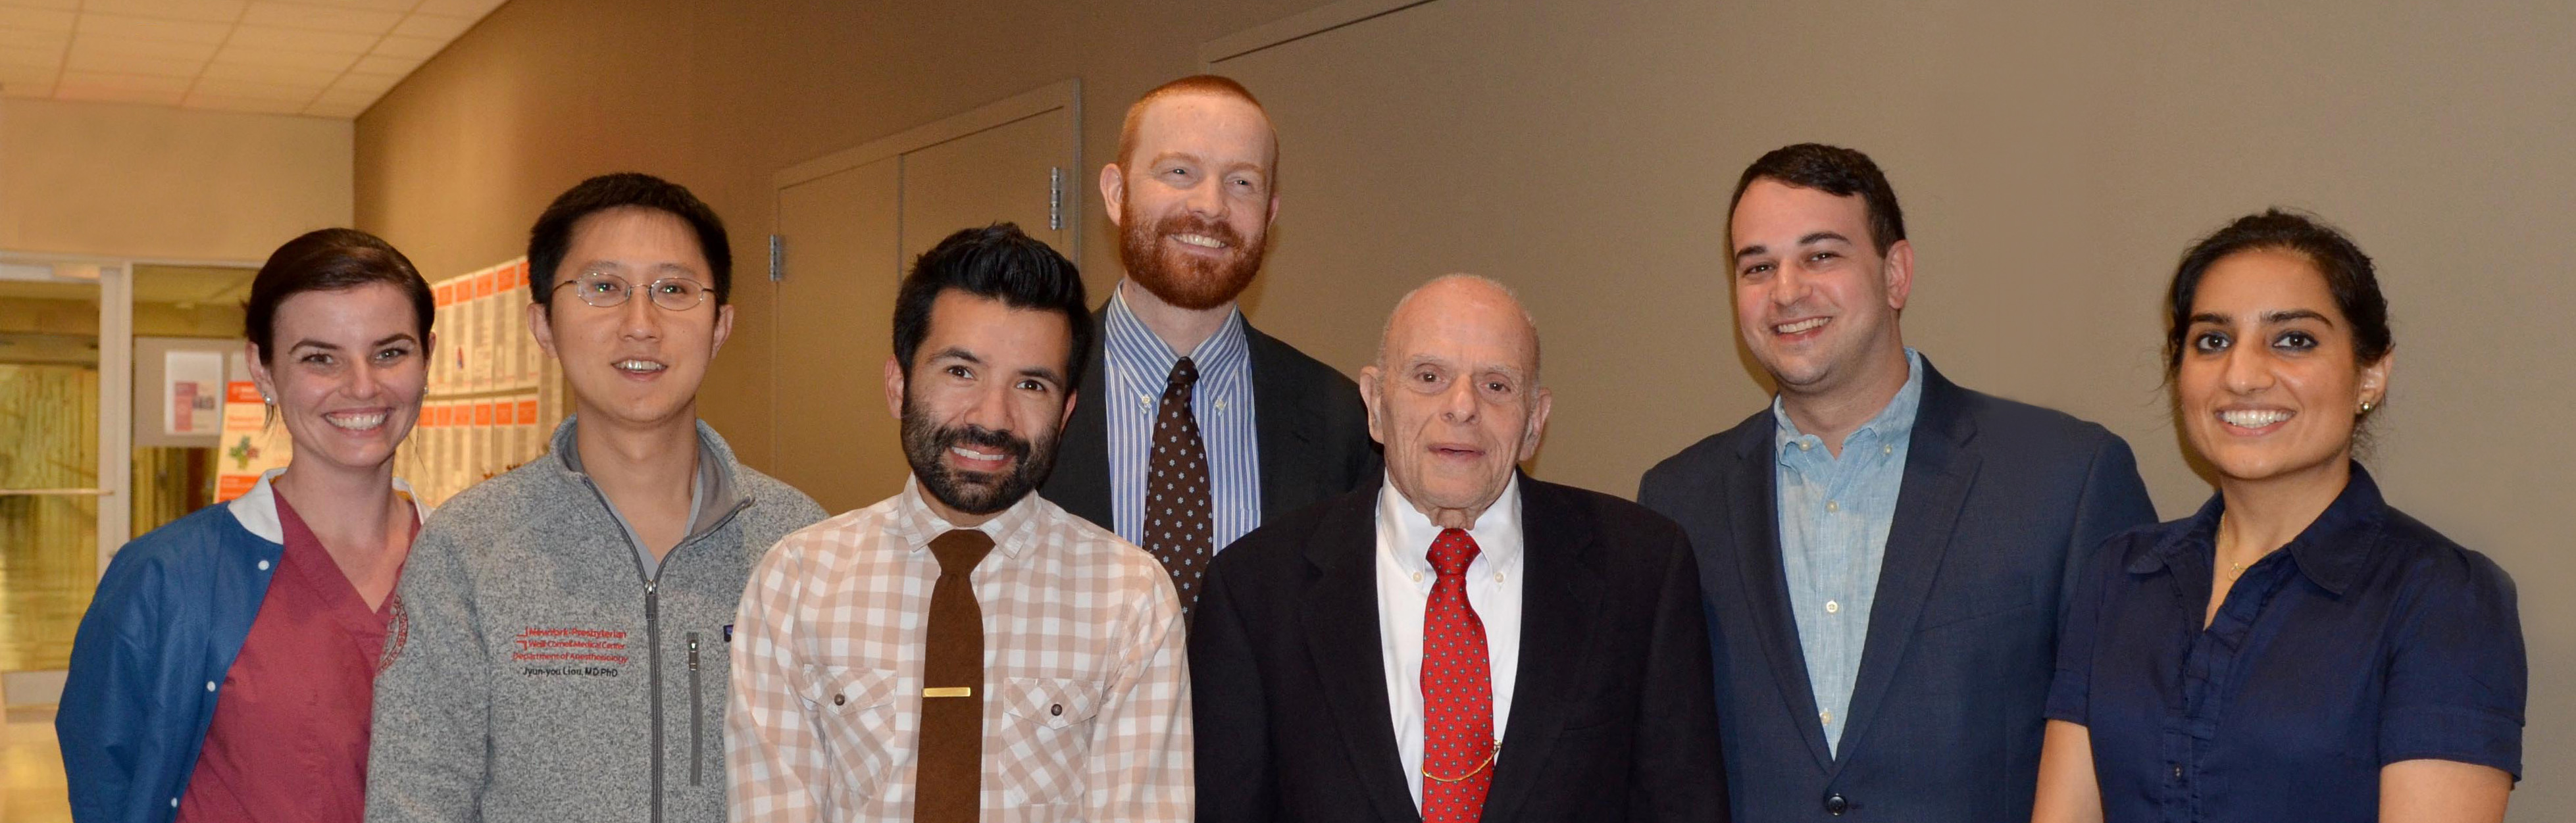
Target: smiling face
347,372
636,363
1454,395
1814,300
2268,385
1193,203
983,403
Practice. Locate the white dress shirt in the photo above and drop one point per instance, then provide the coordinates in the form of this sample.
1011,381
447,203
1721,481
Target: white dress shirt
1404,580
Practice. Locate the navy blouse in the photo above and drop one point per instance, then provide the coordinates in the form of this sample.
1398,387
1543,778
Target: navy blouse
2368,640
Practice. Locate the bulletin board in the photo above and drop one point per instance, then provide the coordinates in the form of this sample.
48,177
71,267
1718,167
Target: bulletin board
494,396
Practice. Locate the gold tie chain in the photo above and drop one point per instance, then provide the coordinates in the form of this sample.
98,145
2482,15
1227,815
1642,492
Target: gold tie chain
1488,761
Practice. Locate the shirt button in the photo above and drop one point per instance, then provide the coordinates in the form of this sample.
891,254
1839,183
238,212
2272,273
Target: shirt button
174,802
840,699
263,565
2177,771
1832,506
1417,577
1827,716
1804,445
1887,449
1833,607
1835,805
210,685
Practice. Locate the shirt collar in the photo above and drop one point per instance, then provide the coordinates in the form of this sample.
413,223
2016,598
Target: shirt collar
1124,337
1892,425
256,509
2331,551
1497,532
1013,531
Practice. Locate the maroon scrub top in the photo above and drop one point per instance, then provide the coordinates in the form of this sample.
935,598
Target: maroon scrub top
289,738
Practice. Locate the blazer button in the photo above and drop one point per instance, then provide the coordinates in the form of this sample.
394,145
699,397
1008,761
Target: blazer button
1835,805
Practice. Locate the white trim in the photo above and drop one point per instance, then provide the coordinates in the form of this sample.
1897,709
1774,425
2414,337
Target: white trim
1065,94
1295,28
115,408
257,508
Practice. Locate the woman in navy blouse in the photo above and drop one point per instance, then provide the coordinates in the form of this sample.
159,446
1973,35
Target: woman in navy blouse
2297,650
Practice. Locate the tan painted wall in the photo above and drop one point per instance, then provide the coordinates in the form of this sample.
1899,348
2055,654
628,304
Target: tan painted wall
2054,161
146,181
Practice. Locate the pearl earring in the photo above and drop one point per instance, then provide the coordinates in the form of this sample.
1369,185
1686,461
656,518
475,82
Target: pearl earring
2365,407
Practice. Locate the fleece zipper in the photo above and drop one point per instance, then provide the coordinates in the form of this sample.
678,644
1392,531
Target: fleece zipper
697,714
653,625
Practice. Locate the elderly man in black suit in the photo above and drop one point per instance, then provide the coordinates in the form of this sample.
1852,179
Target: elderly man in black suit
1194,427
1463,642
1884,552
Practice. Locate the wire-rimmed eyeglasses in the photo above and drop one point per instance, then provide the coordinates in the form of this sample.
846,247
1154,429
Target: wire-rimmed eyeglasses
609,291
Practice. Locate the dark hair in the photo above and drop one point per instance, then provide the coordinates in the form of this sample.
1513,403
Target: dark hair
1000,263
2348,273
551,238
1836,171
329,260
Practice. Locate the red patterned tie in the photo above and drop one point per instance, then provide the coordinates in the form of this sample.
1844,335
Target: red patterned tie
1458,746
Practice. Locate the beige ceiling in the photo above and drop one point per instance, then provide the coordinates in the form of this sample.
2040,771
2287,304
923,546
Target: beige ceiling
320,58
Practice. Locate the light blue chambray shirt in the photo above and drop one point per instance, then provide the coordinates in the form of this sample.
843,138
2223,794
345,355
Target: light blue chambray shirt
1139,366
1834,518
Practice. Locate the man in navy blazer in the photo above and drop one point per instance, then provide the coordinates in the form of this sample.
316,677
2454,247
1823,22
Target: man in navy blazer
1883,554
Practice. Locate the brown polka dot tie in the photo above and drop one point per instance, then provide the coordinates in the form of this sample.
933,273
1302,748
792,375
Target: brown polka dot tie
1179,524
1458,747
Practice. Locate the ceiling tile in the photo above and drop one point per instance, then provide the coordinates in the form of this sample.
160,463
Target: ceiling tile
29,39
321,18
336,111
356,81
286,59
339,96
141,28
436,26
62,5
21,17
37,75
298,94
84,44
93,79
211,11
218,102
68,90
379,5
381,64
459,8
145,64
269,37
414,47
281,75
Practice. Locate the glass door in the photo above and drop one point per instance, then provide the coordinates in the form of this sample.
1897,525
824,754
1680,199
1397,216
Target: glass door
63,358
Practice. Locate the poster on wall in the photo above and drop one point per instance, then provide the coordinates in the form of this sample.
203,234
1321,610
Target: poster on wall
192,393
250,446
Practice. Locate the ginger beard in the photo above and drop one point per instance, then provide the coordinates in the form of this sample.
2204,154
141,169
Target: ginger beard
1186,280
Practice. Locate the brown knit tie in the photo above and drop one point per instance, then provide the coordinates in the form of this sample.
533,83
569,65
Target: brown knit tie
1178,514
950,782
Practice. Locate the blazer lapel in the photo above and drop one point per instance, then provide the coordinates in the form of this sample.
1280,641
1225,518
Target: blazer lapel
1340,617
1080,483
1754,510
1938,472
1285,425
1560,592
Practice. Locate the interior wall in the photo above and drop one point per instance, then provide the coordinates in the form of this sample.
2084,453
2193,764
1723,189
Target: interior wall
2054,161
121,180
456,162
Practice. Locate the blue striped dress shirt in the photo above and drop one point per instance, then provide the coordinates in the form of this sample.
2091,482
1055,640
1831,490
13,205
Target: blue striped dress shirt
1139,366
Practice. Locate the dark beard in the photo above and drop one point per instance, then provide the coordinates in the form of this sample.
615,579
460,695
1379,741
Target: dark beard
976,493
1190,283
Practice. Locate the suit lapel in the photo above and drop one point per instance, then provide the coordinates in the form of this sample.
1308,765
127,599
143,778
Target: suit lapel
1560,592
1080,482
1751,492
1340,617
1938,472
1283,422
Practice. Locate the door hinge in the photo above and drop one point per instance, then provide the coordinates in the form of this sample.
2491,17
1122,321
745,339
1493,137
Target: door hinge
1055,198
777,258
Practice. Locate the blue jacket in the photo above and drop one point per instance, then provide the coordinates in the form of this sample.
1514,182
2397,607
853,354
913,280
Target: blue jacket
159,637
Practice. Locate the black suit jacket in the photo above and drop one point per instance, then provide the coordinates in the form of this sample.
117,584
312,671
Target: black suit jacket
1611,718
2001,507
1307,420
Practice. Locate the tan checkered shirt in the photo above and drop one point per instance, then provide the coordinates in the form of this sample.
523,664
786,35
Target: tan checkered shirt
1086,685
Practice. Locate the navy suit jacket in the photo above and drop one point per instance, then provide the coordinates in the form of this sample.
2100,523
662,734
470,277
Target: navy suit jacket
2001,507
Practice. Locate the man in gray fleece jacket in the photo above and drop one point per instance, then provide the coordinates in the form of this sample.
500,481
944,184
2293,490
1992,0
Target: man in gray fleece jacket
563,638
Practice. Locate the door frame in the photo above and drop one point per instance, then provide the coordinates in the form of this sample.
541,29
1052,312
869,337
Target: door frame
1296,27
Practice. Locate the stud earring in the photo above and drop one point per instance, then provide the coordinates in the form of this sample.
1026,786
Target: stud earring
2365,407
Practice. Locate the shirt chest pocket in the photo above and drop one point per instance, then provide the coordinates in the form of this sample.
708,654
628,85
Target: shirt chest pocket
1043,738
853,714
